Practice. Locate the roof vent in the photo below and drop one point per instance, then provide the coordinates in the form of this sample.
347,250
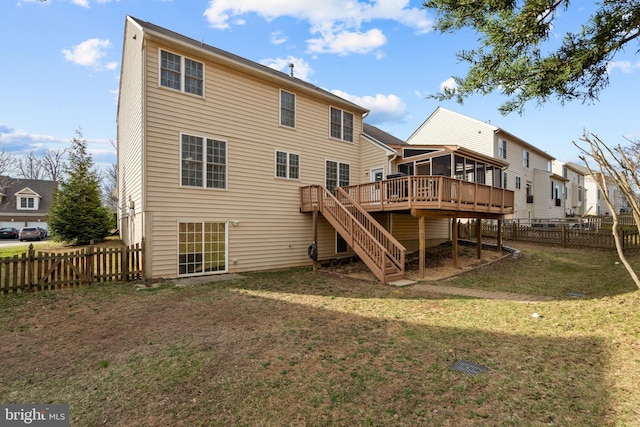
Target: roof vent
291,69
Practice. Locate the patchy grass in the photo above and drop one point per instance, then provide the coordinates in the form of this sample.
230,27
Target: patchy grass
55,247
298,348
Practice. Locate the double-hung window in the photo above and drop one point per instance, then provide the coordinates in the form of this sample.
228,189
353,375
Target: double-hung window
287,165
502,148
180,73
336,175
341,125
287,109
203,162
28,203
525,158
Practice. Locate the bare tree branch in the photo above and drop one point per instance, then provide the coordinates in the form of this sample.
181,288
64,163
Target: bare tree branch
624,173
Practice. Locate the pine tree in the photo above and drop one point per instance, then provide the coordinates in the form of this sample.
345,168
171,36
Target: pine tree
77,215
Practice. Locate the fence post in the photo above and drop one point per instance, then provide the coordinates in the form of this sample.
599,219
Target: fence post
30,268
563,233
90,263
124,264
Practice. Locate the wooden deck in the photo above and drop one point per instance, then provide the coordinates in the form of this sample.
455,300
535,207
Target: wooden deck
441,195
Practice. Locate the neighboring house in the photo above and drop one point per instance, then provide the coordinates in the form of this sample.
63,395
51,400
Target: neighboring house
25,202
224,165
595,204
529,174
574,192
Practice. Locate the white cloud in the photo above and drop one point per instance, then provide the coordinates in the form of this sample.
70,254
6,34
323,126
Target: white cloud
450,83
382,108
337,24
346,42
301,68
89,53
625,67
82,3
278,38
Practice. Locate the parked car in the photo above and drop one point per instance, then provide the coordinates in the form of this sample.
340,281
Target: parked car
29,233
8,233
43,232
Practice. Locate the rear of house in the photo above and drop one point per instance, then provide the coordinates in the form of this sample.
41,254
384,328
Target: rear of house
213,150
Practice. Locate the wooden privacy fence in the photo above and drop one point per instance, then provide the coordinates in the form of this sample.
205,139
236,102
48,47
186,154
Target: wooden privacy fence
562,235
38,270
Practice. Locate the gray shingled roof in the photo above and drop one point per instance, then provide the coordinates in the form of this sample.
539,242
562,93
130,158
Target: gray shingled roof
10,186
381,136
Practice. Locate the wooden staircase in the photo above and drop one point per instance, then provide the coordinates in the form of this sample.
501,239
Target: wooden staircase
375,246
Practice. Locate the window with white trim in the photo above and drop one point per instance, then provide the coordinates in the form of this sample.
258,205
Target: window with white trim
341,245
341,124
336,175
27,203
203,162
202,247
518,183
287,109
525,158
181,73
502,148
287,165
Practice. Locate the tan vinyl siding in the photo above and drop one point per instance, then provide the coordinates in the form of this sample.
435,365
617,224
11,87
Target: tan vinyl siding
243,111
130,137
373,157
405,228
446,127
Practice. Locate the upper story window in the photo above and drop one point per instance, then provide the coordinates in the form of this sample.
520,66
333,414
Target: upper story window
287,165
525,158
180,73
518,183
502,148
27,203
341,125
203,162
287,109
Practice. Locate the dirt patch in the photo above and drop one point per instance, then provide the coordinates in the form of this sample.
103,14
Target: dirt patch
438,263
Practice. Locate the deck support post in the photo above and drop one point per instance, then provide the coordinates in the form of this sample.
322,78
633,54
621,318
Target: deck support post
479,238
454,242
315,238
499,236
422,247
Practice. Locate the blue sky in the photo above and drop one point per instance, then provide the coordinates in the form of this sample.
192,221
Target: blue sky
61,63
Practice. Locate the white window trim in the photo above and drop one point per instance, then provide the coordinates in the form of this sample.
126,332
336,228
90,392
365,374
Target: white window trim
275,165
295,110
502,146
36,203
182,73
226,247
204,178
338,171
342,111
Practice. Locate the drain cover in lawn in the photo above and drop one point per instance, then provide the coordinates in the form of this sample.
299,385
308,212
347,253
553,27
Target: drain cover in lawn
468,368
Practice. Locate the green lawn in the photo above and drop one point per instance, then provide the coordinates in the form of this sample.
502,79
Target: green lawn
305,349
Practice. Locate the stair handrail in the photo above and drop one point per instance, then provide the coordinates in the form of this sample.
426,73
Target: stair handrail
394,250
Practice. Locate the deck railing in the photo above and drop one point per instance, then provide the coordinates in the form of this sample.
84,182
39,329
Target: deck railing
432,192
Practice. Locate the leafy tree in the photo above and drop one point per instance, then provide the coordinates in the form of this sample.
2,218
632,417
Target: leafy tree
77,215
515,55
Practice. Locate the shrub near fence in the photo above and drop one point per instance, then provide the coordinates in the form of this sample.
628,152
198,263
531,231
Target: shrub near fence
37,270
564,236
